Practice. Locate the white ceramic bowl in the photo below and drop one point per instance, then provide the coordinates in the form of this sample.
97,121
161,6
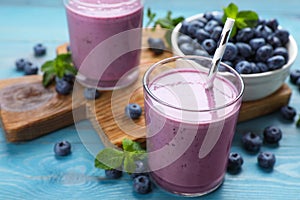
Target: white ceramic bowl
259,85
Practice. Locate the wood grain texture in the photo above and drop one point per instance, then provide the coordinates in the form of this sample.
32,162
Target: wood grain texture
54,113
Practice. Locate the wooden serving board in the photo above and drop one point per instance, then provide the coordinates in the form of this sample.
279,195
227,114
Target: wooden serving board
107,112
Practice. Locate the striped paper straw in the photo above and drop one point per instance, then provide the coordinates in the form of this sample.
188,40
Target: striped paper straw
219,51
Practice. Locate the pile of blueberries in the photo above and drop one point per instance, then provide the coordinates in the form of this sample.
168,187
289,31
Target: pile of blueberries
251,50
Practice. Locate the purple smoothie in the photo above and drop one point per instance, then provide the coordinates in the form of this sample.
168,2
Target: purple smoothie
183,157
91,22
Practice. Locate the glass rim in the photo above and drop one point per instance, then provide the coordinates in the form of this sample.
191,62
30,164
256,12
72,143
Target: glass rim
102,5
166,60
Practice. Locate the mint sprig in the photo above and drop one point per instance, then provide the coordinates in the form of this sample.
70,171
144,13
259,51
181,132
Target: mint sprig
298,122
111,158
57,67
243,19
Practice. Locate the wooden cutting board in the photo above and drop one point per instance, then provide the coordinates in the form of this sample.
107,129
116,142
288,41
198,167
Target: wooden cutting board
50,111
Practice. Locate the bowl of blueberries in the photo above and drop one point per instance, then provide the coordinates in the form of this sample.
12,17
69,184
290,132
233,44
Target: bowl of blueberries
262,54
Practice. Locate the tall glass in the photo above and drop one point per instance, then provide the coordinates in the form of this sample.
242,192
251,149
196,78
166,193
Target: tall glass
190,128
104,50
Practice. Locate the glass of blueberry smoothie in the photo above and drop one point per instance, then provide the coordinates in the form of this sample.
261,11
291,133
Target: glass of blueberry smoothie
190,127
103,47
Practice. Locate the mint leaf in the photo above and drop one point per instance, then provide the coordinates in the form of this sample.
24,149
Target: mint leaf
240,23
249,17
230,11
129,162
298,122
48,78
150,16
65,57
131,146
109,158
48,66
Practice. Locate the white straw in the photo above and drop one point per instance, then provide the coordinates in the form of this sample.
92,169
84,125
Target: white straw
219,51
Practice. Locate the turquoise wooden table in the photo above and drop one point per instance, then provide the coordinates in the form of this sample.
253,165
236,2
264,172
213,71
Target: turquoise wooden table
31,171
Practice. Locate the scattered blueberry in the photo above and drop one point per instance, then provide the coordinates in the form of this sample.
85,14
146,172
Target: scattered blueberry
156,45
62,148
231,52
39,50
243,67
133,111
266,160
283,35
20,64
235,162
91,93
275,62
68,48
69,77
263,53
142,184
272,135
209,45
295,75
288,112
63,87
113,173
251,142
30,68
140,169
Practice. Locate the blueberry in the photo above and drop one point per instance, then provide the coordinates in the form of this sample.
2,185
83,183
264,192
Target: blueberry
251,142
295,75
266,160
244,49
261,21
283,35
245,34
288,112
63,87
272,135
20,64
199,52
183,39
156,45
283,52
235,162
238,59
202,35
273,24
275,62
30,68
91,93
39,50
211,24
68,48
202,19
113,173
231,52
142,184
208,16
187,48
184,26
262,67
254,68
263,53
243,67
263,31
69,77
140,169
133,111
255,43
62,148
193,27
209,45
274,41
216,33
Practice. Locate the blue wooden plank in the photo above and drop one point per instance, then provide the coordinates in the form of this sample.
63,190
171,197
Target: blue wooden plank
31,171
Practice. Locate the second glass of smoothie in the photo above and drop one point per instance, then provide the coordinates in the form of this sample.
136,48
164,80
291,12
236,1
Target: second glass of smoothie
104,49
189,127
